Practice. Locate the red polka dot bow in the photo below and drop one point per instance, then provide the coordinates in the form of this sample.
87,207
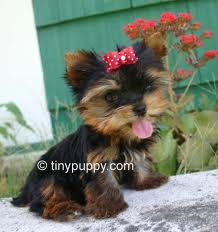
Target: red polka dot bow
115,59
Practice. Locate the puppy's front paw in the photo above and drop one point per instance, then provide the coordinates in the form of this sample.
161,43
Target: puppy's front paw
103,208
62,211
152,181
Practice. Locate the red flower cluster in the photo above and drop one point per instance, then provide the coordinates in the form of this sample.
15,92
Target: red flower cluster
185,17
142,27
196,25
208,34
211,54
190,41
167,18
146,24
184,73
178,25
139,25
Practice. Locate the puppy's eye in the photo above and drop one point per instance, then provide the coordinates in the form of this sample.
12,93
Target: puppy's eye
148,88
111,96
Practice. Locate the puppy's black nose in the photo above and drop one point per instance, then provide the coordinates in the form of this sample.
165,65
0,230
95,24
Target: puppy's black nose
140,109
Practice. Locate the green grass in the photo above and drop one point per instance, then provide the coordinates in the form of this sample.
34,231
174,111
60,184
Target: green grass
11,182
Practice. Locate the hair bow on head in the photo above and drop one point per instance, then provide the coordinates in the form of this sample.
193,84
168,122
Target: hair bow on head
116,59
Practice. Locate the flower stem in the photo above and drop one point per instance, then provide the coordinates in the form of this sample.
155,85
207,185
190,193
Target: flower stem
177,62
187,87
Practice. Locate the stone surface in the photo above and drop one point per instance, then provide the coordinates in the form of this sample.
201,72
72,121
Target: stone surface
186,203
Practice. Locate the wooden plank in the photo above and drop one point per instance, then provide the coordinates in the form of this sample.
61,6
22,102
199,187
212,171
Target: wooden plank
53,66
206,12
48,12
69,9
94,7
137,3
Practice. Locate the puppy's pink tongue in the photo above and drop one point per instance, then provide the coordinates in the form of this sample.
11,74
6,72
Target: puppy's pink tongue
142,128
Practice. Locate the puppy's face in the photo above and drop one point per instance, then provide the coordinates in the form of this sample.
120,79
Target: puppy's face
124,103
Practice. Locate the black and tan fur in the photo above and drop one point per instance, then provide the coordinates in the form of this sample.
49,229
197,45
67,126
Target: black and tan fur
109,103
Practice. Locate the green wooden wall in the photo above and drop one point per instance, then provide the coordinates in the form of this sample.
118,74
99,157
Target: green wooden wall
64,25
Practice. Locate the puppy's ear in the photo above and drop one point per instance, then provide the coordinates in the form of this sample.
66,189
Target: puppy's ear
158,43
73,60
80,66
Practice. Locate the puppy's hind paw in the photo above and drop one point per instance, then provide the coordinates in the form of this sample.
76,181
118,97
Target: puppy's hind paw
151,181
106,209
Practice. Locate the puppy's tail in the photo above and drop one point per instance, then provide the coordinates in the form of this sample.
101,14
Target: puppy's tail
21,200
25,196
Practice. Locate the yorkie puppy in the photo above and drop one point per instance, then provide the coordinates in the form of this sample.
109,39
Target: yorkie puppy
120,96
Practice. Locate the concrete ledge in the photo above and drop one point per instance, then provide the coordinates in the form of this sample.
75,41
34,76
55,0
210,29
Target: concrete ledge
186,203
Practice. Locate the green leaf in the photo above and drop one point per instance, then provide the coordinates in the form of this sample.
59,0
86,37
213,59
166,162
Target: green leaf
167,120
186,123
194,153
12,108
203,122
8,124
164,153
216,104
4,132
2,149
186,100
207,124
213,162
205,102
12,138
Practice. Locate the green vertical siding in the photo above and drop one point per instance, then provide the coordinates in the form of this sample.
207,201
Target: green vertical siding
64,25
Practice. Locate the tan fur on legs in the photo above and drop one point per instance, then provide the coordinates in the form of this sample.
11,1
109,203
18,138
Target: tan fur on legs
58,205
